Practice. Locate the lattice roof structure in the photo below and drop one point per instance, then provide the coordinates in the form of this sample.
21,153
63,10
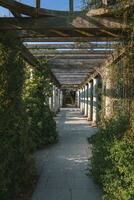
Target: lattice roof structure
74,44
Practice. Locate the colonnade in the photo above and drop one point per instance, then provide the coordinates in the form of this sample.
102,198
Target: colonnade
56,99
87,100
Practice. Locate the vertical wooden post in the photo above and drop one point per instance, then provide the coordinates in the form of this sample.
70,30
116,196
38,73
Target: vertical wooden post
38,2
71,5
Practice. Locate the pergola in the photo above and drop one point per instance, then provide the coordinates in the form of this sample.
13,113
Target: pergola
74,44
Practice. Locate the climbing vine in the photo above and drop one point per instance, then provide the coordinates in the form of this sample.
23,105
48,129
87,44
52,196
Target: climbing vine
26,122
37,90
112,163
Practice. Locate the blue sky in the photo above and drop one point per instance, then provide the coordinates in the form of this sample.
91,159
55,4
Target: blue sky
50,4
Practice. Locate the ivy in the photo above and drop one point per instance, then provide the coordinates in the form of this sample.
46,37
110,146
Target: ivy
112,163
16,162
37,91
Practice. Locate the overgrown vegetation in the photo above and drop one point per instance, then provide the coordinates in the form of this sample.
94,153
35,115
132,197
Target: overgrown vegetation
26,123
41,121
112,163
113,145
16,164
113,158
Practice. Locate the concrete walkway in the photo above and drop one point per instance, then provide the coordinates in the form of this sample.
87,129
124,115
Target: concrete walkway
63,166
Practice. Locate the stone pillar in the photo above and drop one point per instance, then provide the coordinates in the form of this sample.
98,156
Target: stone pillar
50,103
90,100
58,99
86,101
61,98
95,100
108,88
81,103
78,98
83,99
54,98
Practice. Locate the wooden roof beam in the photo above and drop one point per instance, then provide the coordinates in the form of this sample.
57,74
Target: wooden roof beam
34,62
78,56
70,52
71,46
73,62
68,39
81,23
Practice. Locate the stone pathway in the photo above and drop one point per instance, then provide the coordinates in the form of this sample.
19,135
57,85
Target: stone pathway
62,167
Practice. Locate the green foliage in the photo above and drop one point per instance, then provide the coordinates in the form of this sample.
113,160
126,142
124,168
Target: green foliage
41,121
15,148
119,177
113,159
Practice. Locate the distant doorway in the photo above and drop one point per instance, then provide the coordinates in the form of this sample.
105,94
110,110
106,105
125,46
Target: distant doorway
69,97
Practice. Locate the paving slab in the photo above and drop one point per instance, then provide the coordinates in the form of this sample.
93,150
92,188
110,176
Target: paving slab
63,167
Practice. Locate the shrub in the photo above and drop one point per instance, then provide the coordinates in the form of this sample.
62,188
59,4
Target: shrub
16,163
119,178
113,159
37,90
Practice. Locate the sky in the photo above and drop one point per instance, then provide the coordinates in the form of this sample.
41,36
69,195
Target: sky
49,4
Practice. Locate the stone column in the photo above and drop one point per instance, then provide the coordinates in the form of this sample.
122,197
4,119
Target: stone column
78,98
95,100
50,103
108,90
90,100
58,99
81,103
54,98
61,98
86,100
83,99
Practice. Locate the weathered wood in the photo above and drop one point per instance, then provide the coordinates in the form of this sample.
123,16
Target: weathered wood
64,76
18,7
72,69
82,56
117,55
31,11
73,62
73,46
39,52
38,4
61,23
34,62
35,38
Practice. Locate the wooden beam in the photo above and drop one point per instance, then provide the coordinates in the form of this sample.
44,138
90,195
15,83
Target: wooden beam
68,39
70,52
78,56
37,6
73,62
83,45
34,62
31,11
75,76
60,24
18,7
38,3
113,59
